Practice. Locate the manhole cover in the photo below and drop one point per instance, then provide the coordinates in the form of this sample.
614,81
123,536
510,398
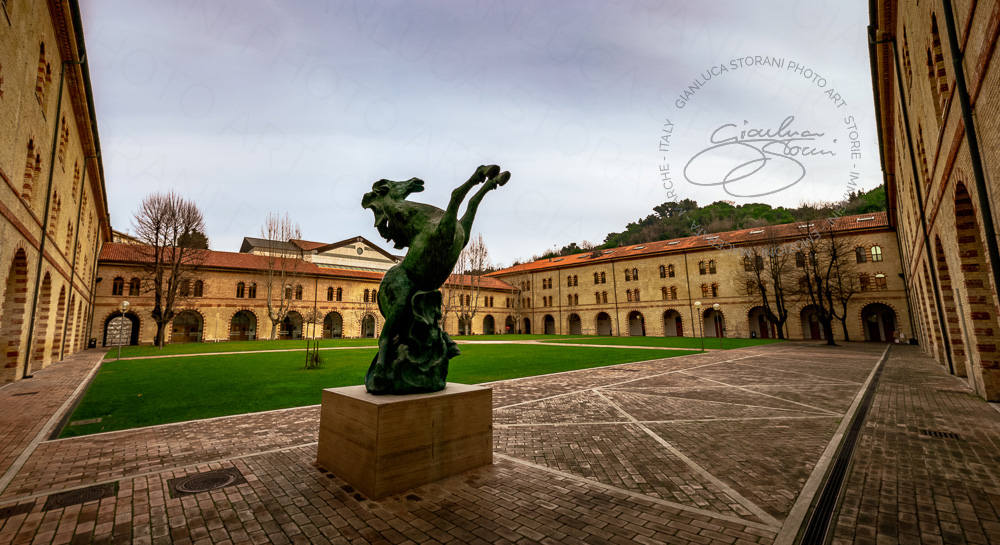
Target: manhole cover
13,510
81,495
205,482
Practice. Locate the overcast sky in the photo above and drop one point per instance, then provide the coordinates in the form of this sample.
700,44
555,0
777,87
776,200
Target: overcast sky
250,107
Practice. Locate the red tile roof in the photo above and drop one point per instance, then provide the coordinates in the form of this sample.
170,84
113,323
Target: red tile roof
114,252
308,245
790,231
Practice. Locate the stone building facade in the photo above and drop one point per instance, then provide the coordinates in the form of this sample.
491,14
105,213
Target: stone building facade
653,288
937,97
53,207
228,300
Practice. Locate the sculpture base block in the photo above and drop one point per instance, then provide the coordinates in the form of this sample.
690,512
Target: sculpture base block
383,445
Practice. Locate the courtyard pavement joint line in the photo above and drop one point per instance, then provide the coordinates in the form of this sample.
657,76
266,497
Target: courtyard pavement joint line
11,472
611,385
641,496
760,393
800,508
679,421
754,508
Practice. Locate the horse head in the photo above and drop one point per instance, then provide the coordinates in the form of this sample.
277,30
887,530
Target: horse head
384,199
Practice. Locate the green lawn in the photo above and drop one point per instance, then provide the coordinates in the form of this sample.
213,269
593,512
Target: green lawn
134,393
674,342
233,346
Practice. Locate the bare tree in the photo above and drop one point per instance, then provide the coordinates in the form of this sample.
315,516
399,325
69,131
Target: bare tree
467,280
162,223
827,272
282,265
768,277
844,283
519,297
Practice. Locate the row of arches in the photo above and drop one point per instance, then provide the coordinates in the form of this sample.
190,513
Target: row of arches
59,326
188,326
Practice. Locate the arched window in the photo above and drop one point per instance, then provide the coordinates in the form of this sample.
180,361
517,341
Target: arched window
32,168
569,281
637,294
803,283
715,289
635,274
800,259
199,288
133,287
751,287
506,302
569,300
604,279
252,290
663,271
628,275
876,253
664,293
670,271
673,292
185,288
747,266
367,294
859,254
241,290
711,267
865,281
936,72
880,282
118,286
576,280
704,290
628,295
604,296
701,268
340,294
597,279
759,262
329,293
576,298
298,292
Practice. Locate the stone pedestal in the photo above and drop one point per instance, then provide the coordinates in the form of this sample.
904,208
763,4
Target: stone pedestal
384,445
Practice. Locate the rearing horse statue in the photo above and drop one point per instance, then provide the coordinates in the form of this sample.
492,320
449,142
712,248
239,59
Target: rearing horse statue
413,350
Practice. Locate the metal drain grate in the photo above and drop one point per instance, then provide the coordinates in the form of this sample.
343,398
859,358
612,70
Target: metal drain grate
205,482
81,495
23,394
13,510
941,434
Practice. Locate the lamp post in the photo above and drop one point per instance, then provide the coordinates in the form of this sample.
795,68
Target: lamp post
121,327
697,308
718,324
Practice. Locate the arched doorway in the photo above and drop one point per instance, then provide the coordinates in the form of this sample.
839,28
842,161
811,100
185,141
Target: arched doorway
291,326
368,327
41,325
55,353
714,323
124,329
509,326
549,324
333,326
811,328
243,326
604,324
488,325
186,327
673,325
14,299
575,325
879,322
527,326
636,324
760,326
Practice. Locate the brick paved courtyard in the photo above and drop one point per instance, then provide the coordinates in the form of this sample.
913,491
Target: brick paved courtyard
723,447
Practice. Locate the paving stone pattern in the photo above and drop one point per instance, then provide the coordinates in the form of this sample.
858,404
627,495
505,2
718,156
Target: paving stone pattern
710,448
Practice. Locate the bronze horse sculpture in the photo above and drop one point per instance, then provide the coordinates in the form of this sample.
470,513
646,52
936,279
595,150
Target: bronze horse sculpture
413,349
